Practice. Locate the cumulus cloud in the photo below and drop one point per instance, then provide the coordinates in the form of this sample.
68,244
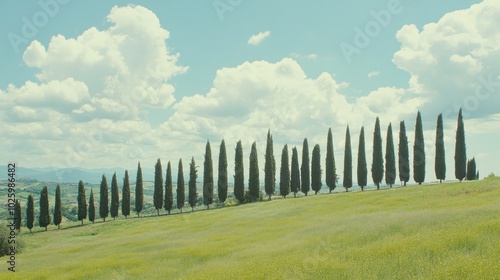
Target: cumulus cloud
454,61
129,61
258,38
93,92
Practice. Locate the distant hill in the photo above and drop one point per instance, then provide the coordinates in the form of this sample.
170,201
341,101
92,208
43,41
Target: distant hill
73,175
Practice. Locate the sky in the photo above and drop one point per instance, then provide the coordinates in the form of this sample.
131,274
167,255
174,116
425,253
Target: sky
105,84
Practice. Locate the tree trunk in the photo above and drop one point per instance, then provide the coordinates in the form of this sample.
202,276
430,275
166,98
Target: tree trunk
440,181
82,222
46,228
378,186
404,184
269,197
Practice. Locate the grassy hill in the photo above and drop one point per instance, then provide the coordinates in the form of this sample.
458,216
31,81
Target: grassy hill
447,231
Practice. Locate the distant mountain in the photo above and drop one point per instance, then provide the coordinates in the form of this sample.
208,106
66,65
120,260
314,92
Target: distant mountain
73,175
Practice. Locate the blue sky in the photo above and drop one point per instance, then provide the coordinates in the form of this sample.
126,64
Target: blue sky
214,84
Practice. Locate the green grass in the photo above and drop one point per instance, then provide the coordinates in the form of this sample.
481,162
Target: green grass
447,231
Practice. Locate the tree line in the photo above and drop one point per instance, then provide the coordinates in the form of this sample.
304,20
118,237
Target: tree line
293,178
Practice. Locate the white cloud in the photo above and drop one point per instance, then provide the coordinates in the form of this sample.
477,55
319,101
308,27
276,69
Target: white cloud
89,104
258,38
453,62
373,74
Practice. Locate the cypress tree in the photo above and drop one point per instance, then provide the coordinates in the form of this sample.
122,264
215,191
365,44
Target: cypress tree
44,218
419,152
169,194
180,187
126,196
477,175
222,179
347,161
284,173
460,149
91,207
362,169
471,169
208,177
103,203
316,170
331,171
390,159
295,177
253,175
139,196
30,213
82,202
239,180
193,195
269,169
158,189
115,199
304,169
404,155
57,208
18,216
377,159
439,162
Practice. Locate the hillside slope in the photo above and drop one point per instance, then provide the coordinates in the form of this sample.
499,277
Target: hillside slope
447,231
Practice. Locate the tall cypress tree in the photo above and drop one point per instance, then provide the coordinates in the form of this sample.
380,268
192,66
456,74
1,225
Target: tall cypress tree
378,158
18,216
419,152
404,155
169,194
269,169
30,213
362,169
239,179
193,195
126,196
91,207
471,169
208,177
390,159
284,173
295,177
305,171
103,203
57,208
439,161
139,196
331,171
347,161
180,187
222,179
158,190
115,199
82,202
44,218
460,149
316,170
253,175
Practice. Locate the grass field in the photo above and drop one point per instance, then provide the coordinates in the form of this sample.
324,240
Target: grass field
435,231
